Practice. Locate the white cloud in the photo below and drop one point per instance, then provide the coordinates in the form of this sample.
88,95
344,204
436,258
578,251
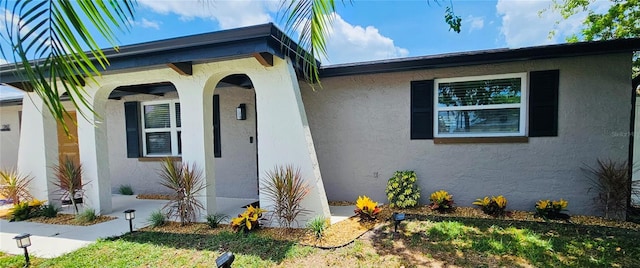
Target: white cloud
475,23
522,25
228,14
148,24
355,43
3,61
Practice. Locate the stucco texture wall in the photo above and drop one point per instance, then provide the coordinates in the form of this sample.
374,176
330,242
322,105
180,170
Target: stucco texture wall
9,139
361,126
236,170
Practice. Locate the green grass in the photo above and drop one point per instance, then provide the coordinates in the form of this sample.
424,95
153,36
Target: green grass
452,241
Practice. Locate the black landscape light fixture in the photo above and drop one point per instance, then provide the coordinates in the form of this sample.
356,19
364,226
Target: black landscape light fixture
129,215
397,218
24,241
241,112
225,260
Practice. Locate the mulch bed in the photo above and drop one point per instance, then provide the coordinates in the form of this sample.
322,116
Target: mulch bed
155,196
70,219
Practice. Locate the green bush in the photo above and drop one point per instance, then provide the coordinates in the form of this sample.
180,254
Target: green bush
317,226
125,190
402,189
157,218
86,216
49,211
213,220
25,210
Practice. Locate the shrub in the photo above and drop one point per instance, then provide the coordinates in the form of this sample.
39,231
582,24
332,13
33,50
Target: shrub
88,215
125,190
25,210
248,220
366,208
14,186
494,206
402,190
69,181
157,218
610,180
548,209
441,201
213,220
49,211
317,226
285,187
185,181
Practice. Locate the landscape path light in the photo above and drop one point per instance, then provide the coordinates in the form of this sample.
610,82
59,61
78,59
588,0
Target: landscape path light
129,215
24,241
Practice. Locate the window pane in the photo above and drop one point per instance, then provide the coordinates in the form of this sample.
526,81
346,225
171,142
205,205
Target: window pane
159,143
479,121
178,122
156,116
483,92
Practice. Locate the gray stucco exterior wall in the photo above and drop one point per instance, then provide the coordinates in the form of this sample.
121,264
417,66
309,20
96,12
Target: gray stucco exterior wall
361,126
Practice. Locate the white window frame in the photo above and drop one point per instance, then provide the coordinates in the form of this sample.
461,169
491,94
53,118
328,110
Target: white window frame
173,128
524,93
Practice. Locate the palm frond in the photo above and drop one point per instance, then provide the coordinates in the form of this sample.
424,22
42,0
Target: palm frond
313,19
56,33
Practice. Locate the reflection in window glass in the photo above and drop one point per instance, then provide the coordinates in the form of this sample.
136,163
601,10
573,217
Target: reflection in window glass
157,116
493,121
158,143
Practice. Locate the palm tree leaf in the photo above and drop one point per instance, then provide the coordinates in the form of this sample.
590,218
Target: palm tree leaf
54,31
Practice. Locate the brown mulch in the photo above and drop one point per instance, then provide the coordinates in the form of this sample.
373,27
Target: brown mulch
155,196
70,219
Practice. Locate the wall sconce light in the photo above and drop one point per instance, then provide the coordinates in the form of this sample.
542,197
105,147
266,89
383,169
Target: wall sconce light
397,218
129,215
23,241
225,260
241,112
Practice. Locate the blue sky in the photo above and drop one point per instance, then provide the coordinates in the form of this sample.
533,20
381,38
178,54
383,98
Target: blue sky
365,30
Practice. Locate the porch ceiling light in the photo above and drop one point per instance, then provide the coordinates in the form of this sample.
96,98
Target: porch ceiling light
241,112
129,215
24,241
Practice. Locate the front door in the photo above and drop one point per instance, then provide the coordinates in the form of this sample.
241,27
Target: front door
68,145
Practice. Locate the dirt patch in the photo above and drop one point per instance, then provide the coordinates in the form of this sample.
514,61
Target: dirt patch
70,219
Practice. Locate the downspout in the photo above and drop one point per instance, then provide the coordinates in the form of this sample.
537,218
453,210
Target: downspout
635,90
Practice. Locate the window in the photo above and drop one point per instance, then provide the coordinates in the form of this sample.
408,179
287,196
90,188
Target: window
161,133
480,106
153,128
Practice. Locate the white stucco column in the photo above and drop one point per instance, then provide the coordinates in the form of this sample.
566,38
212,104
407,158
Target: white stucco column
94,151
38,150
284,136
196,104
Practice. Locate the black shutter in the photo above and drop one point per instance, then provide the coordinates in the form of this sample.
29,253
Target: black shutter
132,125
217,151
422,109
543,103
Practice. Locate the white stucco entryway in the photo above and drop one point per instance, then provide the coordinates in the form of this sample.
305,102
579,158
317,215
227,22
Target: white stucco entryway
282,129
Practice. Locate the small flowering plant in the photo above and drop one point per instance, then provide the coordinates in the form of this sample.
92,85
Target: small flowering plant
248,220
548,209
366,208
494,206
441,201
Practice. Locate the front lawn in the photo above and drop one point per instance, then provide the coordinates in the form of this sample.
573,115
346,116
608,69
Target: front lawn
423,240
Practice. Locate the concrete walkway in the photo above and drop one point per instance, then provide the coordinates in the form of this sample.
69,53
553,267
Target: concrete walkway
53,240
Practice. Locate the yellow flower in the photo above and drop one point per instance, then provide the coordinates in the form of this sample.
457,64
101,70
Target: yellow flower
483,202
500,200
542,204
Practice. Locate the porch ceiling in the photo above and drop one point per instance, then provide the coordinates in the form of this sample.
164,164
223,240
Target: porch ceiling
159,89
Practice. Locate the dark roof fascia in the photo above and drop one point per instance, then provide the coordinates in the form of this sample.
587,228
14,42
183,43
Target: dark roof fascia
215,46
483,57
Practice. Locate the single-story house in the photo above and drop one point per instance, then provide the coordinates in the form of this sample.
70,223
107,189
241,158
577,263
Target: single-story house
515,122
